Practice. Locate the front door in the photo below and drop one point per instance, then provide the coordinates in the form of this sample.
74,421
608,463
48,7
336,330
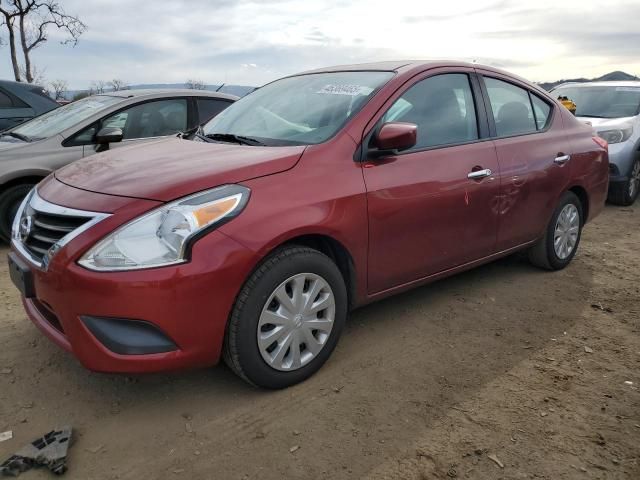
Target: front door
433,207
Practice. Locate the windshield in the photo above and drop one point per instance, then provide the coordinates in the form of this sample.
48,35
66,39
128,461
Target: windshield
602,101
302,110
55,121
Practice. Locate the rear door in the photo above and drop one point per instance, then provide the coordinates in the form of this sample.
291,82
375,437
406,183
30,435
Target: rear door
425,214
534,157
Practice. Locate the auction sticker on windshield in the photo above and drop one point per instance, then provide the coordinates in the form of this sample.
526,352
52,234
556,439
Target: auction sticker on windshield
352,90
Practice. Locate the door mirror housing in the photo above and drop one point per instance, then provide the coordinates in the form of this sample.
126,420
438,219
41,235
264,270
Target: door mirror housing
394,137
108,135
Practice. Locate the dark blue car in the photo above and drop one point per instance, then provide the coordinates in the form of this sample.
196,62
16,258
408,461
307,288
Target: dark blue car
20,102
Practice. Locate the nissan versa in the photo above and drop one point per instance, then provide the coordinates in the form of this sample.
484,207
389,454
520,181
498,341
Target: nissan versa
313,195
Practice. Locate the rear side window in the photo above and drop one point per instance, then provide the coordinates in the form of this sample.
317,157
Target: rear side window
511,108
442,107
5,100
209,108
542,111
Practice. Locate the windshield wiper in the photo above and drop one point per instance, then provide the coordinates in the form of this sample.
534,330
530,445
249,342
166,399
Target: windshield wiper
240,139
19,136
591,116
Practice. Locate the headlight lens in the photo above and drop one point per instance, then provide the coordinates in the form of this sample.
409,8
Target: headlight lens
161,237
617,135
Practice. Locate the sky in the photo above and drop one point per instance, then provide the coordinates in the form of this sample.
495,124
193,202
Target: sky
253,42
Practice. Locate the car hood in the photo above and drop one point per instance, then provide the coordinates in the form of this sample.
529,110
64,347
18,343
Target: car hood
172,168
9,143
602,123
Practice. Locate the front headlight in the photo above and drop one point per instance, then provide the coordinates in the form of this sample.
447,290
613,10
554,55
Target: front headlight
162,236
617,135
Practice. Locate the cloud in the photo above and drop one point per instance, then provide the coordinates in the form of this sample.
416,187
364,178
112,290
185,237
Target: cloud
253,42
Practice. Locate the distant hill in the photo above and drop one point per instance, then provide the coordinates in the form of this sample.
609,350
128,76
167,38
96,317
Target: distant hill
238,90
609,77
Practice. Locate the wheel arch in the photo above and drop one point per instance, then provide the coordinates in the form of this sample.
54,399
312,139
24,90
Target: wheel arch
333,249
22,178
583,196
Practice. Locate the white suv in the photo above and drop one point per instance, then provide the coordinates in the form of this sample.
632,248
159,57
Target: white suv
613,108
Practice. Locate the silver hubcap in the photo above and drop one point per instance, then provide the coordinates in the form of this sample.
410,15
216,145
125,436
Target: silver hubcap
296,322
634,181
566,232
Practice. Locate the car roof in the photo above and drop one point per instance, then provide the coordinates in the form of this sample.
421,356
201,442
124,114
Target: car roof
612,83
168,92
394,66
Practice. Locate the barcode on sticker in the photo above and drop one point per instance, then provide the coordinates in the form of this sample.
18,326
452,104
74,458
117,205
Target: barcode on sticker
352,90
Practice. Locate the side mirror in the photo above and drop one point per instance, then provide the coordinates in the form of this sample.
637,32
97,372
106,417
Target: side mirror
394,137
109,135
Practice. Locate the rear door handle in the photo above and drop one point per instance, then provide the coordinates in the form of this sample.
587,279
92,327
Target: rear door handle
478,174
562,159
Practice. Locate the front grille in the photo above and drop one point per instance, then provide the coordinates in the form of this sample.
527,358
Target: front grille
43,228
47,229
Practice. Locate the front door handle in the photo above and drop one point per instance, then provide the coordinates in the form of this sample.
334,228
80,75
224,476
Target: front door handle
562,159
478,174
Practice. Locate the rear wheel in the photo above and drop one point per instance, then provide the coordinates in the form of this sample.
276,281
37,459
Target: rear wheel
287,318
557,248
625,193
10,201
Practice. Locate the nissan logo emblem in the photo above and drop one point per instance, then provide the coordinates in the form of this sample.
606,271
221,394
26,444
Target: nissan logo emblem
25,227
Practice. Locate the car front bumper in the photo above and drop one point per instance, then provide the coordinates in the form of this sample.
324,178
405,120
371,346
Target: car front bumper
621,158
150,320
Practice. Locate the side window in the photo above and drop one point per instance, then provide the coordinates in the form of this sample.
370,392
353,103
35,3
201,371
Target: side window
542,111
151,119
208,108
5,100
511,108
442,107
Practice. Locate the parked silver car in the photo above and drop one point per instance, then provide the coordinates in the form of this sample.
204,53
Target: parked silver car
31,151
613,108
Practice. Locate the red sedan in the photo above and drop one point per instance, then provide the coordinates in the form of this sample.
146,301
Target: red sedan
311,196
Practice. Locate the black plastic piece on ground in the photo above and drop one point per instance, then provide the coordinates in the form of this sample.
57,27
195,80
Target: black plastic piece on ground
129,337
49,451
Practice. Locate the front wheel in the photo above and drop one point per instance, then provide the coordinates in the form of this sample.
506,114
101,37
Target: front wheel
287,319
10,201
625,193
558,246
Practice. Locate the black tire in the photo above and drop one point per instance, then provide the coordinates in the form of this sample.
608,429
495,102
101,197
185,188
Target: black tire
543,253
241,352
10,201
625,193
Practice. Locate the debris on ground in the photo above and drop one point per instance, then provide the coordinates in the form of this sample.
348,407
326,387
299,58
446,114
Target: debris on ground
495,459
6,371
588,349
599,306
294,448
4,436
49,451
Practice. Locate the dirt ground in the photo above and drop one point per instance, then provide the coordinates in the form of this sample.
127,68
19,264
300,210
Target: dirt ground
504,372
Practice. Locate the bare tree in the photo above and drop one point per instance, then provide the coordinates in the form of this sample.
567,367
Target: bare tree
195,84
59,87
117,84
98,86
27,22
